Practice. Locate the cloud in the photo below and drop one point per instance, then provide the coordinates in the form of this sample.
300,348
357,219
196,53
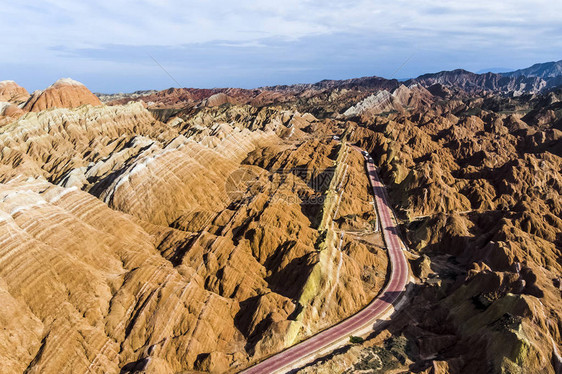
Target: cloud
271,39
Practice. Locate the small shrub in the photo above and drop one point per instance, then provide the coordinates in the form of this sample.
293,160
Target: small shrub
356,339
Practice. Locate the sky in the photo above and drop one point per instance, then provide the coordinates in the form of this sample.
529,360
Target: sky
125,45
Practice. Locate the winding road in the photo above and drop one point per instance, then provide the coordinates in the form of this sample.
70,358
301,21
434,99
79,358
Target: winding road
365,318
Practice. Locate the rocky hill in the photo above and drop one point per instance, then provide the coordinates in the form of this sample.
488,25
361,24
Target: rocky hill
13,93
64,93
15,101
12,97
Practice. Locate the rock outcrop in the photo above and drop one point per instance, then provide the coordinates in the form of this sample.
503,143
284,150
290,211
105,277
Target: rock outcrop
400,99
10,110
64,93
13,93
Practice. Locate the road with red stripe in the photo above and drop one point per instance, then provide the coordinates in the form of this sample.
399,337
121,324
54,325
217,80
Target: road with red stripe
368,315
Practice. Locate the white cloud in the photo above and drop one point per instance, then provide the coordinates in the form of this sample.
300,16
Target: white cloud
174,22
35,32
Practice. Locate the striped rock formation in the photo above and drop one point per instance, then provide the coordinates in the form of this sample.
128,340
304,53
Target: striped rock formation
124,249
64,93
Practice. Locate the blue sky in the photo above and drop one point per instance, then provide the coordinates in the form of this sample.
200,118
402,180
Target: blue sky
111,45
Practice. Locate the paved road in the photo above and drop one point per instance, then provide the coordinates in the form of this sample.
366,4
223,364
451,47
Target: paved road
367,316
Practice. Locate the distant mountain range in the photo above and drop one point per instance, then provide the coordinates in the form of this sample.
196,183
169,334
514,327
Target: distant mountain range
493,70
545,70
535,79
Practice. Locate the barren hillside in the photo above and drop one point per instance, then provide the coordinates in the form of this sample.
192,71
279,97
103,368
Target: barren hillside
203,230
